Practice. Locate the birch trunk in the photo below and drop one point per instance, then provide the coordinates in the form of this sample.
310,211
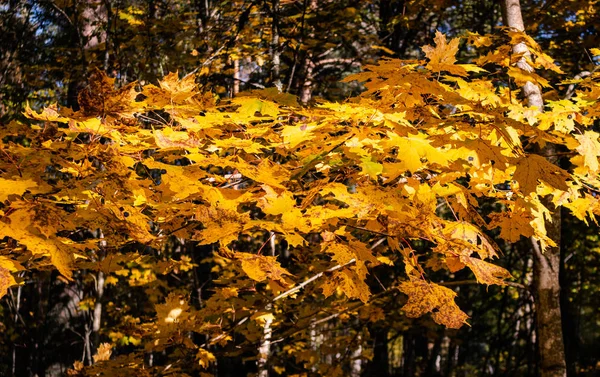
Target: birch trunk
275,52
547,264
236,77
264,351
307,85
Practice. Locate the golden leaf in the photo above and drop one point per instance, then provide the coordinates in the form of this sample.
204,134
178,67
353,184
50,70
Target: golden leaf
14,187
532,168
486,273
276,204
260,268
443,56
172,315
6,281
20,228
103,353
424,297
589,148
349,282
512,225
49,113
205,358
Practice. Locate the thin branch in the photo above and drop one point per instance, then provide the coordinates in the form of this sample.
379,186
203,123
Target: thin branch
581,75
315,277
281,296
475,282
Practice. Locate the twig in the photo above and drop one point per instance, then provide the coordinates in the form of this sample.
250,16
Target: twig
281,296
581,75
315,277
475,282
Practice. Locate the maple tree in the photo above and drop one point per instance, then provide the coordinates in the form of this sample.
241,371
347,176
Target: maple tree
299,209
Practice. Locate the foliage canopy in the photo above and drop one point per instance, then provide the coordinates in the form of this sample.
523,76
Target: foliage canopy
387,181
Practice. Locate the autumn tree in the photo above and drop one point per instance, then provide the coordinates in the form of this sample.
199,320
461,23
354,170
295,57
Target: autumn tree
195,233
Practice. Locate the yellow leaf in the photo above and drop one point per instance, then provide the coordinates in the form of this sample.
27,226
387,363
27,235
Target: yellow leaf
486,273
103,353
589,148
11,187
370,168
265,172
414,153
251,107
49,114
6,281
443,56
168,138
425,297
20,228
349,282
276,204
512,225
263,317
297,134
521,77
172,314
260,268
205,358
532,168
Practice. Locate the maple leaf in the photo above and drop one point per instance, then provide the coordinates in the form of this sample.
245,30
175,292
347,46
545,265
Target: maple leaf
512,225
173,317
589,148
584,208
6,281
178,90
521,77
39,240
348,281
49,113
205,358
416,152
251,107
474,239
424,297
15,187
533,168
103,353
100,98
169,138
276,204
370,168
296,135
487,153
265,172
260,268
443,56
486,273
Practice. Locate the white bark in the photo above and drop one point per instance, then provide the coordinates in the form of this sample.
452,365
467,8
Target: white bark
264,351
513,18
546,265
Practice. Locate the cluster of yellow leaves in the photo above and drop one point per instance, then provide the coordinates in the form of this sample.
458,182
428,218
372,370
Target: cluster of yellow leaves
410,159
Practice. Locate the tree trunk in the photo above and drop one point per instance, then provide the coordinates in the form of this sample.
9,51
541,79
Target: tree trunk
356,359
379,366
275,52
546,265
236,77
264,351
307,85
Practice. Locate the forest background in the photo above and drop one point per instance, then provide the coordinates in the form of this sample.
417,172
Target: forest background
177,270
